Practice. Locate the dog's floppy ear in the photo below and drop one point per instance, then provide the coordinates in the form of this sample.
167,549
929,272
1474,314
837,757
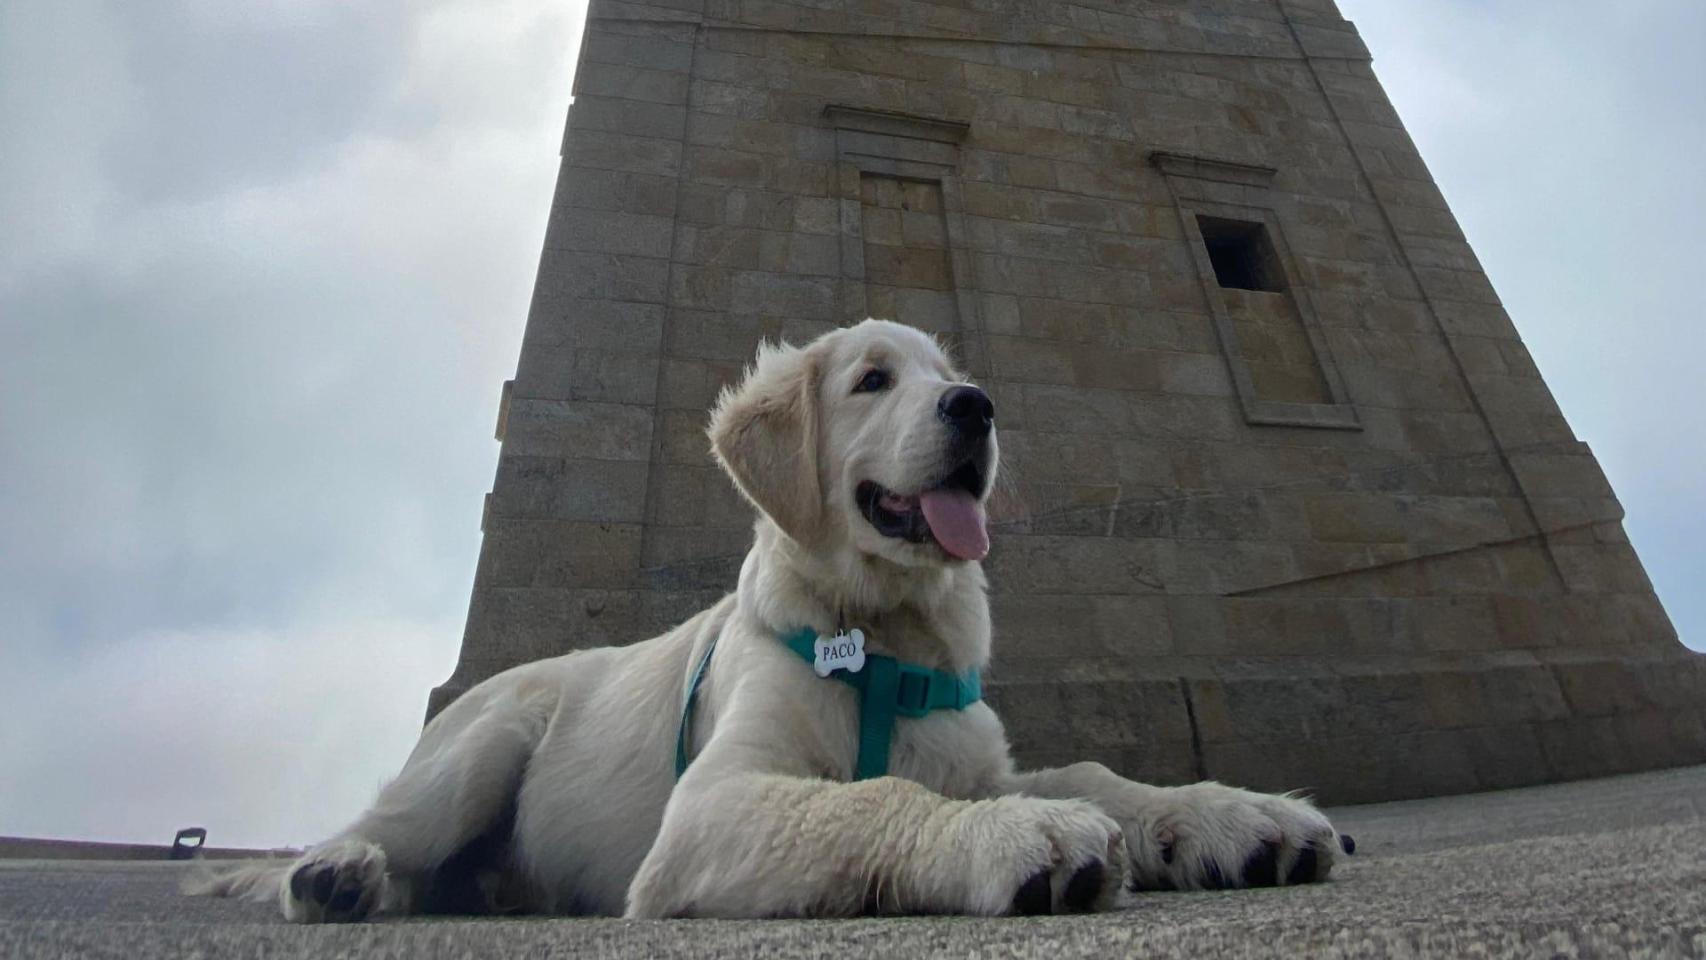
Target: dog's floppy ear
764,433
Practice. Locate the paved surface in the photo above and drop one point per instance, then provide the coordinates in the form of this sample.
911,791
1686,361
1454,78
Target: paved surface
1605,868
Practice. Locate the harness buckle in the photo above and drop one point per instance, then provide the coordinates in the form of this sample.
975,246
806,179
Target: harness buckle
912,690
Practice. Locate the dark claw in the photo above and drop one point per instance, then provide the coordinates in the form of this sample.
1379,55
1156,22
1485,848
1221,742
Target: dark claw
324,880
1303,871
1347,843
1034,899
1262,869
1213,879
1085,884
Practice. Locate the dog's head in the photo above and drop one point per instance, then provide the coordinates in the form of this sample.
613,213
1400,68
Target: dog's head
865,439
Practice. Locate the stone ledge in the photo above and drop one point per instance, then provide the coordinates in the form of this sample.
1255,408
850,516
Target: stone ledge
889,123
1206,168
1504,725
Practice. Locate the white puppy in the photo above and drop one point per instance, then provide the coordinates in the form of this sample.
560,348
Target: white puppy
553,787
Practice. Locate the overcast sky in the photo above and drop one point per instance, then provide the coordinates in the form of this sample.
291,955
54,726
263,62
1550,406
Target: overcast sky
263,267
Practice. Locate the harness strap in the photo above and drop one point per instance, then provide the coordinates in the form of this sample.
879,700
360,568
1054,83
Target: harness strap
683,735
887,688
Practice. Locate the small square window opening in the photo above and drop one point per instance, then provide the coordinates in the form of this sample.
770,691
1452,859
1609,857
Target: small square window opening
1242,254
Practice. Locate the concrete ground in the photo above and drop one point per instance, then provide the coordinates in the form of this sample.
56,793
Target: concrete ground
1605,868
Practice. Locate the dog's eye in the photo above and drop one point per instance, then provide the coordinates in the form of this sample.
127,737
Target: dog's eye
872,381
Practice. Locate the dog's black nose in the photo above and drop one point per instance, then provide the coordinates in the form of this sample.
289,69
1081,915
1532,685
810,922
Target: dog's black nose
967,409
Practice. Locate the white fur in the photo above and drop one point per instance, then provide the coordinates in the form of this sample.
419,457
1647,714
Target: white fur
581,748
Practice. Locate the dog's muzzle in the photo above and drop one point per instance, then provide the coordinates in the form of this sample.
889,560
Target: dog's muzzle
949,512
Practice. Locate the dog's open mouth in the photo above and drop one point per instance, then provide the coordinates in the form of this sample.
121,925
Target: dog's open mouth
949,513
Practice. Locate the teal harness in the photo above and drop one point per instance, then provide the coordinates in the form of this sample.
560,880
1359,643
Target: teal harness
887,688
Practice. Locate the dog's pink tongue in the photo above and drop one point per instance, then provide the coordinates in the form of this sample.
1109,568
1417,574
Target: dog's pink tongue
957,520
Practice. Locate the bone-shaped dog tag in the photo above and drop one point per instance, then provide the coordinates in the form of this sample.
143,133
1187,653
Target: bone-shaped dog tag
844,651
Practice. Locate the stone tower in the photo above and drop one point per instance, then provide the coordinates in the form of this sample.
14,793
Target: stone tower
1290,505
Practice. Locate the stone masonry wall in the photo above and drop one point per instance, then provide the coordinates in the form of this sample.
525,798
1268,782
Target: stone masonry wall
1326,529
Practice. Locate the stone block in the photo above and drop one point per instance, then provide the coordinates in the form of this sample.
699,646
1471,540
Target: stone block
663,49
1340,770
1071,565
613,190
597,150
1042,718
599,376
603,276
637,118
1356,518
601,231
633,83
564,488
578,324
1073,627
559,555
571,428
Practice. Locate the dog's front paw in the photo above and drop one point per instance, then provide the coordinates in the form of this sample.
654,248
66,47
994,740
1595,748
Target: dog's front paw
1211,837
336,882
1031,856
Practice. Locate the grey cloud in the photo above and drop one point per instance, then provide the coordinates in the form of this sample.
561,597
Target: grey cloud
258,295
228,95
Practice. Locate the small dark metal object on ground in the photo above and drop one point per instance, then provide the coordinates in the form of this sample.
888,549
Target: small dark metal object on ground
181,850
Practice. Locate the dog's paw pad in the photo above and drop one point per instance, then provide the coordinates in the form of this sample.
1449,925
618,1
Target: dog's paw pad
1262,867
1303,870
1035,897
334,885
1085,886
316,881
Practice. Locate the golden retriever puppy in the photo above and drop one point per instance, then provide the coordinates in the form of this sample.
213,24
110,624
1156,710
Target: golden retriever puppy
752,762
